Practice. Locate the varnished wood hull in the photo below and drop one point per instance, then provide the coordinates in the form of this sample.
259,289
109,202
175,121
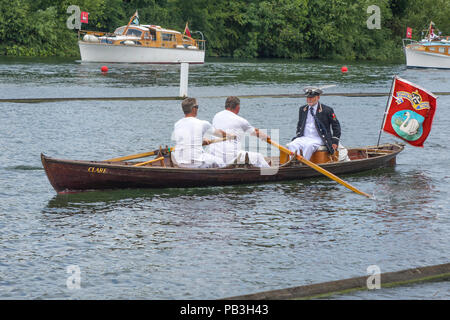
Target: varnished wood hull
76,175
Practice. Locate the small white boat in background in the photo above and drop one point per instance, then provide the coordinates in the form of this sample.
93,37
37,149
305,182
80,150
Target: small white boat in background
431,52
136,43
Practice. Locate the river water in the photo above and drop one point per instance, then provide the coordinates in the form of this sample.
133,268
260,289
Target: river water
208,243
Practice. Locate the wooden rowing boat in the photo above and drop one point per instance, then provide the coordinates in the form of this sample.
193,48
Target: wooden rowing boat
77,175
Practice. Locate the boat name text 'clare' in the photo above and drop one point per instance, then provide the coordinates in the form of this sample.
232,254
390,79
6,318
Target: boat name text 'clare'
97,170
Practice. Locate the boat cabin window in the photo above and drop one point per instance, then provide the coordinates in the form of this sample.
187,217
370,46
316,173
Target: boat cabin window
168,37
151,35
119,30
442,50
134,33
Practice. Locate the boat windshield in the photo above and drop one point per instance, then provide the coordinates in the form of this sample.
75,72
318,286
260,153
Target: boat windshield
119,30
134,33
168,37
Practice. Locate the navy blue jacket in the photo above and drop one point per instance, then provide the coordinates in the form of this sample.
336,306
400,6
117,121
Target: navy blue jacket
329,128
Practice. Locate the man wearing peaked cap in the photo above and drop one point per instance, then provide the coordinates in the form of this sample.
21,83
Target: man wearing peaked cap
317,125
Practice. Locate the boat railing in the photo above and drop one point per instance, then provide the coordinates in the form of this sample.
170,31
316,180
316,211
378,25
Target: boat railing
407,42
188,41
201,44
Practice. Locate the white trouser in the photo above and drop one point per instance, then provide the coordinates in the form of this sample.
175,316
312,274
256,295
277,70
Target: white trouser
209,161
306,144
229,153
256,159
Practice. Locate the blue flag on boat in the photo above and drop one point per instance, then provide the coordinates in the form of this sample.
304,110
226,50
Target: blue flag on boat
135,19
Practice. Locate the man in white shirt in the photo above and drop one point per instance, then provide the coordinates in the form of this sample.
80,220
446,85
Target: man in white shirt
230,150
317,125
188,135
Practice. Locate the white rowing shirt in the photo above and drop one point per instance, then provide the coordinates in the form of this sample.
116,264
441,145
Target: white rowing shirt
188,135
231,123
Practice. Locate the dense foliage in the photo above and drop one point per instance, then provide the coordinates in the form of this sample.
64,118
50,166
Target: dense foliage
233,28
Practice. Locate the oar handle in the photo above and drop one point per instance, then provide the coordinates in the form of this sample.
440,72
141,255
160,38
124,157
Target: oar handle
217,140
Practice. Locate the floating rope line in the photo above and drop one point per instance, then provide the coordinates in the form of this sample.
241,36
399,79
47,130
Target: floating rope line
287,95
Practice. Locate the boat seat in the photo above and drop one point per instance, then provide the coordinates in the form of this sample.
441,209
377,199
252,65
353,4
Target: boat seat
323,156
320,156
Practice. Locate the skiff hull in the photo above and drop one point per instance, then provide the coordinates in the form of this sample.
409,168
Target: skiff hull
76,175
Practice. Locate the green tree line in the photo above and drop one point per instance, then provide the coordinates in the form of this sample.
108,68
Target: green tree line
293,29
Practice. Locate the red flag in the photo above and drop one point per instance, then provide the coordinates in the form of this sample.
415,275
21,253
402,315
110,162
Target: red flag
84,17
186,31
410,112
409,32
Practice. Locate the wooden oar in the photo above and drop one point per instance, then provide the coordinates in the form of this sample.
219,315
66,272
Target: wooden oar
134,156
148,162
320,169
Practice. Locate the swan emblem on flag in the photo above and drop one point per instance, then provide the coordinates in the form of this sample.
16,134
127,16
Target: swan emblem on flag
408,124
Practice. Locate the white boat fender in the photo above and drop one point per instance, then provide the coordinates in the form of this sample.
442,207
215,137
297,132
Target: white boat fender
129,43
90,38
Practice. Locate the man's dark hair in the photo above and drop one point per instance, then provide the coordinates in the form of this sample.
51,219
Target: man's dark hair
188,104
232,102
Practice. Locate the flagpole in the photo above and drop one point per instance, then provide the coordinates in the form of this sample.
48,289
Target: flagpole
385,110
128,25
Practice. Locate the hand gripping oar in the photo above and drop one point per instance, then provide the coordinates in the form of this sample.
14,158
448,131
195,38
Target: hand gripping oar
318,168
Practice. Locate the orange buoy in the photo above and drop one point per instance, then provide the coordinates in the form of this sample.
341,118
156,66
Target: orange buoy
344,69
104,69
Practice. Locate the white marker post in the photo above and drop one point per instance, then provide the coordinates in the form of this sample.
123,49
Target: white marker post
184,75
